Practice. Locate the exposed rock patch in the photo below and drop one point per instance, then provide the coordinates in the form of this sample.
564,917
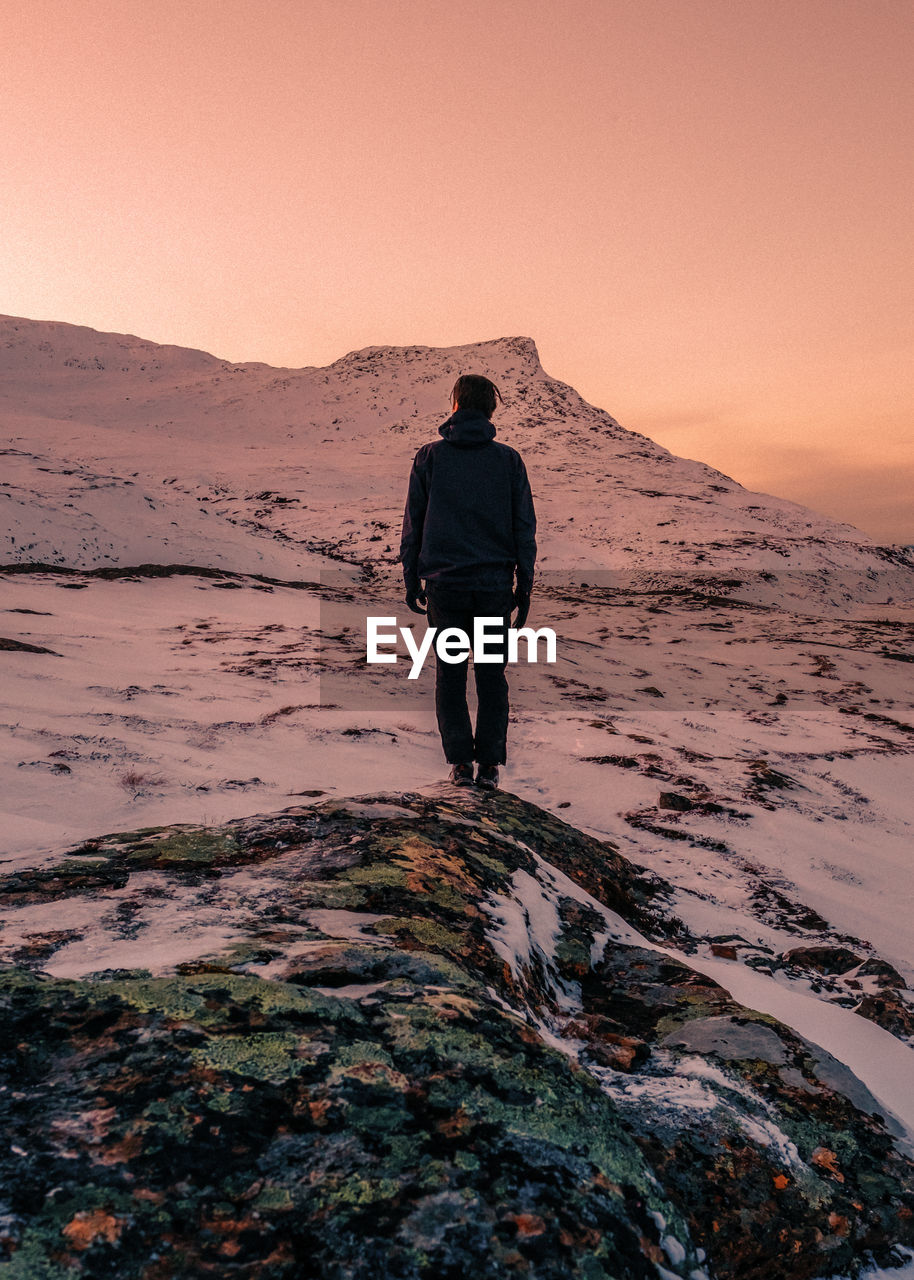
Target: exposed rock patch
438,1035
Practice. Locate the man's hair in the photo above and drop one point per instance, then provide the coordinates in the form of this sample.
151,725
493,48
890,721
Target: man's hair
474,392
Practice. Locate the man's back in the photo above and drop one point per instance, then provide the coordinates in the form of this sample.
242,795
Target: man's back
469,516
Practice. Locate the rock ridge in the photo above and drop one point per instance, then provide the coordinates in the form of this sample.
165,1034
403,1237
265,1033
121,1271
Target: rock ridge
411,1035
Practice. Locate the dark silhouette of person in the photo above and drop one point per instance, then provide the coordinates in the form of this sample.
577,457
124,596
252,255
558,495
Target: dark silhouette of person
469,527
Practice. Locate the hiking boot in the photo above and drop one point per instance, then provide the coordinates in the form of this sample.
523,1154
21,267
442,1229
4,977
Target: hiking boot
487,776
462,775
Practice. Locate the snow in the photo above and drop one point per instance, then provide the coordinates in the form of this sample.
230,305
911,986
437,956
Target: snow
527,925
881,1061
158,712
354,991
903,1272
350,925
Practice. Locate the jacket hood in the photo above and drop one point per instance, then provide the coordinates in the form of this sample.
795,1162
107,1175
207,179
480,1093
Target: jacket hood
467,429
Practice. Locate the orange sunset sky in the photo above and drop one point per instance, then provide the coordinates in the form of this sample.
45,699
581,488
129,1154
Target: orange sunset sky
700,209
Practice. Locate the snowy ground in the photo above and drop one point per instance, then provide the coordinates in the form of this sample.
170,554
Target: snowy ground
189,699
787,742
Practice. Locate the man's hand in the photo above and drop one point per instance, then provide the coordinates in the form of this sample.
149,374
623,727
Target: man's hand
414,598
522,601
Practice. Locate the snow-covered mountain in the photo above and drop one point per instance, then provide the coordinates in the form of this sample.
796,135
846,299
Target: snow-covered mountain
121,450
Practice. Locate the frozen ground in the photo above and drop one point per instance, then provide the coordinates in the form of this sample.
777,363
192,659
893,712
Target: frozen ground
784,743
733,706
787,742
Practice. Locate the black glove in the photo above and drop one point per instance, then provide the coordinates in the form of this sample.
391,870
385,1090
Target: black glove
415,597
522,601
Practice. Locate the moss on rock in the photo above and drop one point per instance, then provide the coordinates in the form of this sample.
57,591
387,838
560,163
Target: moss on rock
392,1096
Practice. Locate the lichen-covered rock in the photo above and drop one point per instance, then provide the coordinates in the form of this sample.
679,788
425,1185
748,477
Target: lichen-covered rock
419,1036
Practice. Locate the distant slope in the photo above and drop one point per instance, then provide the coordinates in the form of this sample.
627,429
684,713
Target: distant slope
119,449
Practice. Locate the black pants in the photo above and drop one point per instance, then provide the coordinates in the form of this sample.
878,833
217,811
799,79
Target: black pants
458,607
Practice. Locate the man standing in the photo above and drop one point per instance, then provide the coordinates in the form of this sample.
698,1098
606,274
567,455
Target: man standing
468,527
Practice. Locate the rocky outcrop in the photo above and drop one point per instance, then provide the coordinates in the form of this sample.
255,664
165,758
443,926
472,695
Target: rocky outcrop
417,1035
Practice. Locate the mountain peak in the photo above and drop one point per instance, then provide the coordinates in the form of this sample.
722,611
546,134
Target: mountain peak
523,347
492,352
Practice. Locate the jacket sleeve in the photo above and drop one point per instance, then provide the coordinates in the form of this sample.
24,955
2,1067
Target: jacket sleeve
413,523
524,524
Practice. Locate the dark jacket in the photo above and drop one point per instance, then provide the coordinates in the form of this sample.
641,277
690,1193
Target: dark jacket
469,518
